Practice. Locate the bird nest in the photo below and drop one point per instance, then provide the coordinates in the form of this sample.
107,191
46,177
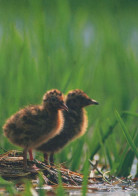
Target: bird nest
11,168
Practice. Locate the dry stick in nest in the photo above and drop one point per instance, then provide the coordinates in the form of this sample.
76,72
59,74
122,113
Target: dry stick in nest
52,174
102,174
11,168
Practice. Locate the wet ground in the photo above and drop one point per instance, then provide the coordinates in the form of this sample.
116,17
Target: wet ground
11,169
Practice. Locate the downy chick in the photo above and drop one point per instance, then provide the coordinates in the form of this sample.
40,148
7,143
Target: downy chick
75,125
34,125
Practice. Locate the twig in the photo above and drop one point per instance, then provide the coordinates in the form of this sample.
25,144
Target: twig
102,174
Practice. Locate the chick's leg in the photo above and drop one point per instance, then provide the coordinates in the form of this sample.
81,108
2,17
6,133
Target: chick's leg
46,158
25,158
30,154
51,159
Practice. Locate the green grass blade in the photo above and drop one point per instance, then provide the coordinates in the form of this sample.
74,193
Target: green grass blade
77,154
85,177
104,138
126,133
28,186
60,190
41,190
131,113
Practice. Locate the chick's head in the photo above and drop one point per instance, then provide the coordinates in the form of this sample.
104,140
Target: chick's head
78,99
53,99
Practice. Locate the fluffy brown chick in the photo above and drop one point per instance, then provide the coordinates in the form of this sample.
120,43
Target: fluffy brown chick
33,125
75,125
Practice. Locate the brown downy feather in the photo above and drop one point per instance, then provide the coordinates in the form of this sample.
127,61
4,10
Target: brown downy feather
33,125
76,122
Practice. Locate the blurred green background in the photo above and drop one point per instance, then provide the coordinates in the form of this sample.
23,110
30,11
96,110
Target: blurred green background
69,44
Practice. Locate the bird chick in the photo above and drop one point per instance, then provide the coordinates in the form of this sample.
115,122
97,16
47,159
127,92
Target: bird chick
33,125
75,125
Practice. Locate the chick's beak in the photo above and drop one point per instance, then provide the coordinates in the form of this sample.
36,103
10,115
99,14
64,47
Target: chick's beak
64,106
93,102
